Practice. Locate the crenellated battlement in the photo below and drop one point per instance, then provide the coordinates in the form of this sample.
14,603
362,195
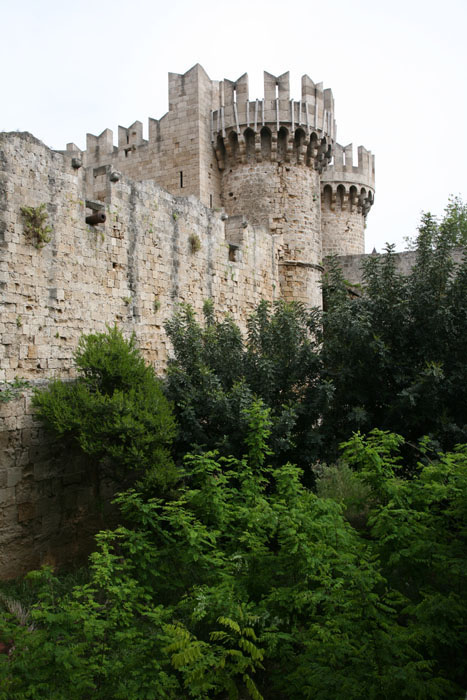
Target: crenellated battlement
131,136
265,158
343,169
100,145
346,185
313,113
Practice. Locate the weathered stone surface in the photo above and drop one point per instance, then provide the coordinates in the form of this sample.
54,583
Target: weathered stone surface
228,199
50,501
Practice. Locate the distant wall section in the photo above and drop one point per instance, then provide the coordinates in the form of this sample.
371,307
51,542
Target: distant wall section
352,265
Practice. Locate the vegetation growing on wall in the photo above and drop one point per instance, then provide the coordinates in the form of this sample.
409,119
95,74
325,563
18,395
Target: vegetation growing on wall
35,225
195,242
12,390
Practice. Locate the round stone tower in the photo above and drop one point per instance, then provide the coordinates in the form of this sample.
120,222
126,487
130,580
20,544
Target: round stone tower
271,154
347,194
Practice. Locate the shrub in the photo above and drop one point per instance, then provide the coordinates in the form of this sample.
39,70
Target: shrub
115,411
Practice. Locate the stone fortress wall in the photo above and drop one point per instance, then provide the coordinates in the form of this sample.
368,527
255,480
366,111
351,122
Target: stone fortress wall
274,161
153,251
229,199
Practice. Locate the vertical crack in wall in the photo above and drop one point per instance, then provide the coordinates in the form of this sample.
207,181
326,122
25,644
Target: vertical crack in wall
274,268
132,257
255,281
175,258
53,303
210,265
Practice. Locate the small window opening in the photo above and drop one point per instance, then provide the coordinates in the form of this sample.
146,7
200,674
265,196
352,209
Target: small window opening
181,178
210,200
127,137
233,252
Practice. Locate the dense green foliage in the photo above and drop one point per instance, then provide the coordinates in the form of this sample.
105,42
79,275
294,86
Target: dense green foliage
115,411
214,376
248,585
393,357
396,356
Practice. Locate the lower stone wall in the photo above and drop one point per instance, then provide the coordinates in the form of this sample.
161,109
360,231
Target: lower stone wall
352,264
51,500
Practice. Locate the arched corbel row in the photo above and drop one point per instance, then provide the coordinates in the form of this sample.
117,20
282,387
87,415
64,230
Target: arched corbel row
283,145
344,197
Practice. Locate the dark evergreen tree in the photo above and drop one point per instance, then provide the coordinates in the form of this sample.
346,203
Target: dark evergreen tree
396,355
214,376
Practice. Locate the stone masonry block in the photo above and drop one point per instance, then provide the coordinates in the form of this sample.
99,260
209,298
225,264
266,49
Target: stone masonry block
14,476
26,511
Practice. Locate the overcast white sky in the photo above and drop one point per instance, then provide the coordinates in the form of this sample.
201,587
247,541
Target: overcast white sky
397,70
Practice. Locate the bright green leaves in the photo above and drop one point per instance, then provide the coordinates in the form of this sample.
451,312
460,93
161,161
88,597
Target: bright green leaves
247,585
115,411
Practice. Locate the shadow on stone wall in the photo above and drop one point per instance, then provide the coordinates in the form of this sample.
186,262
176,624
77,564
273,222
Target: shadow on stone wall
52,499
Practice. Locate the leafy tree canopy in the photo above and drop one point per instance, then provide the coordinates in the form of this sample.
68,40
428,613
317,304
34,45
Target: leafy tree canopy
214,376
115,411
396,355
452,226
247,585
392,358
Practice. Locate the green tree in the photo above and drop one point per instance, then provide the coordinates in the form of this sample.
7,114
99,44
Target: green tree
454,222
392,357
418,530
115,411
215,374
396,355
451,226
